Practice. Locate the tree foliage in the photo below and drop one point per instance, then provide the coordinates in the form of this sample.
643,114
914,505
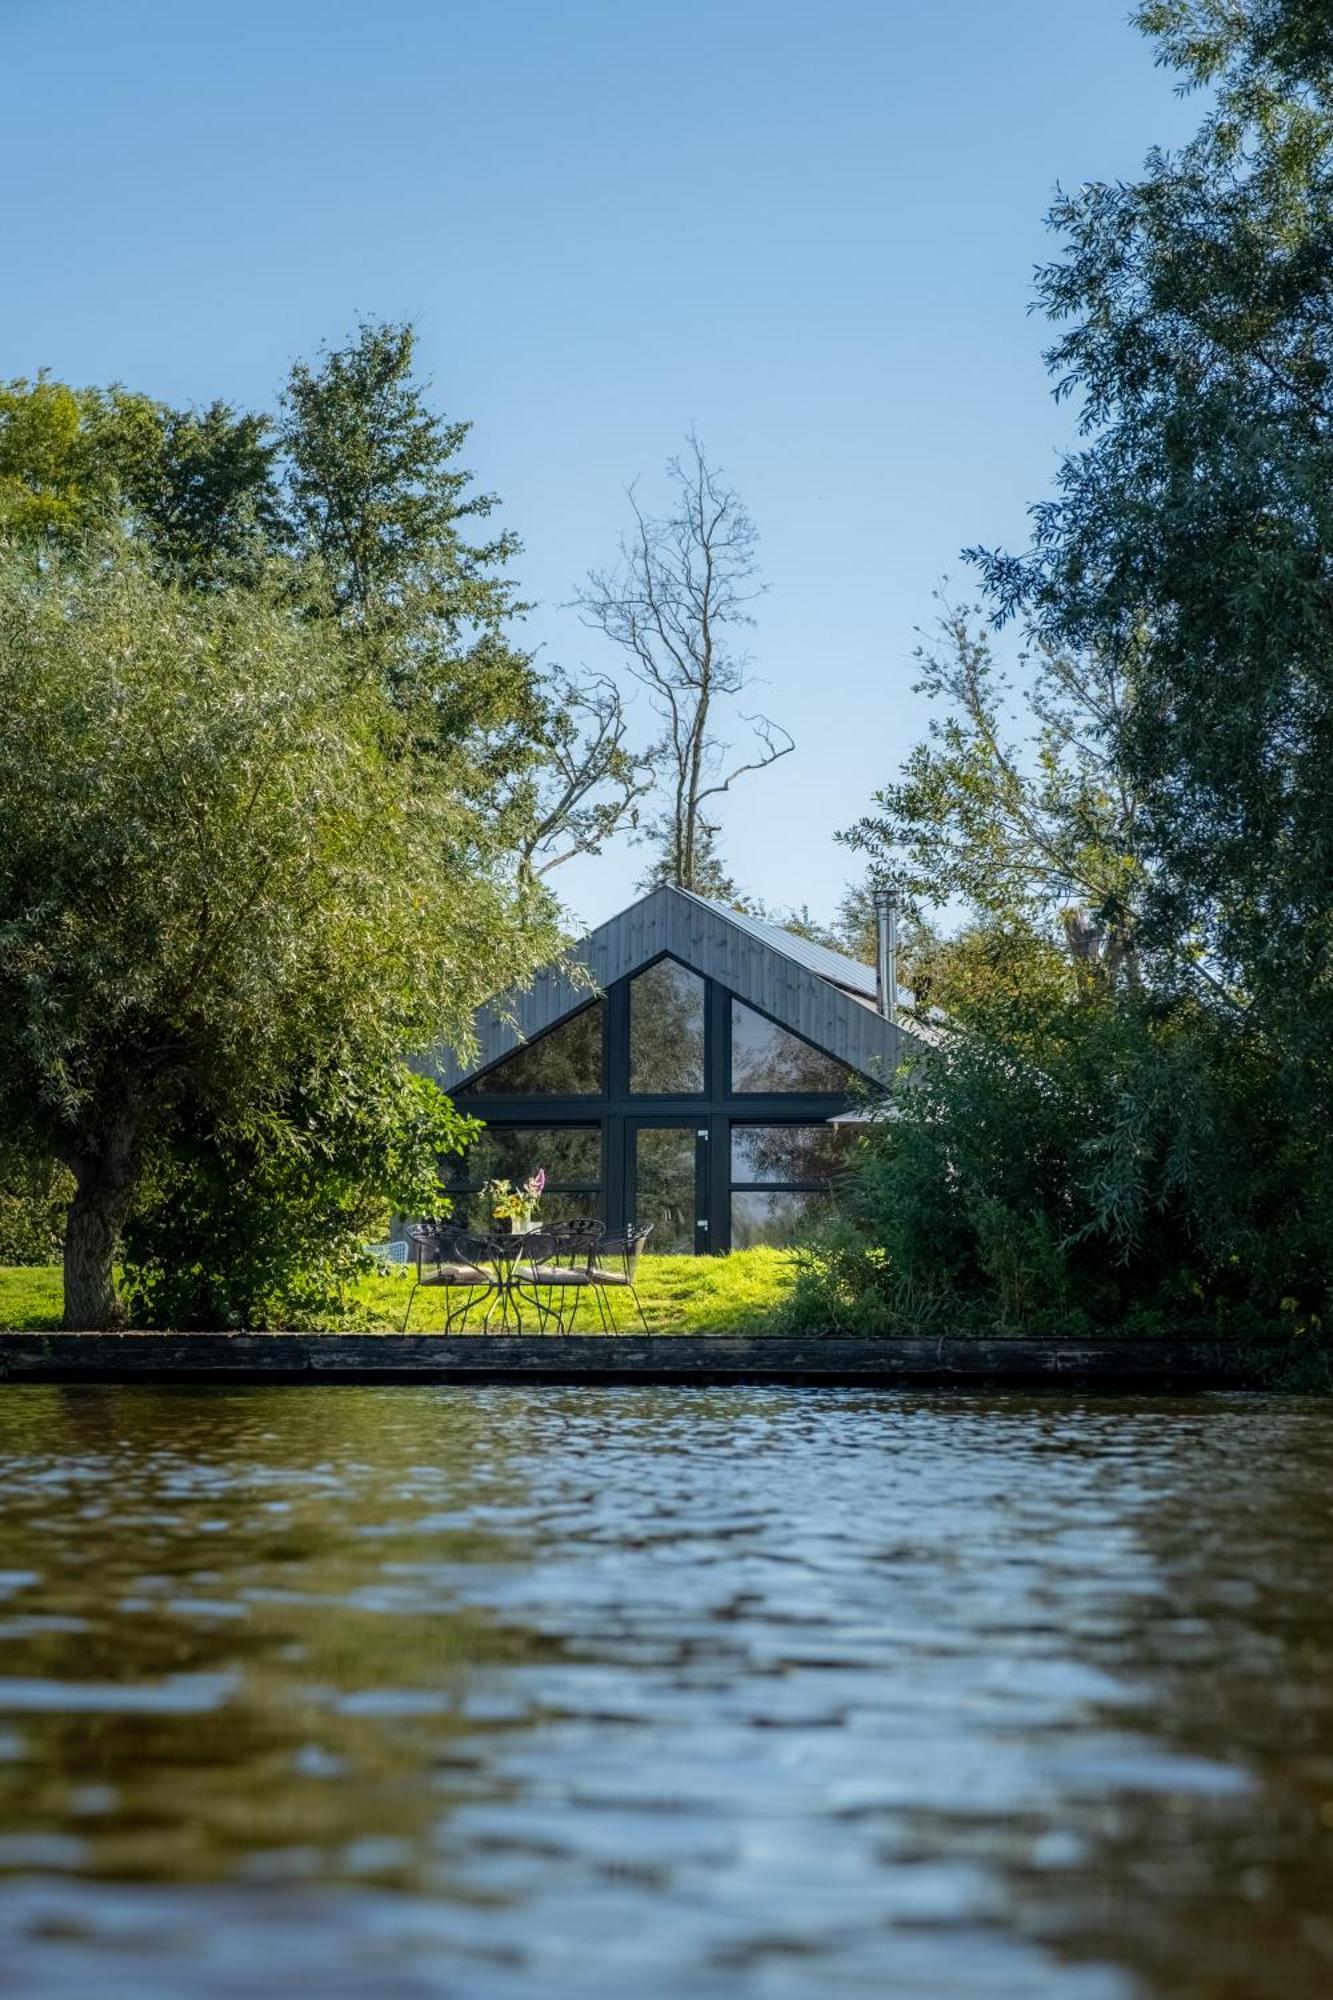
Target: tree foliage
1129,1111
221,877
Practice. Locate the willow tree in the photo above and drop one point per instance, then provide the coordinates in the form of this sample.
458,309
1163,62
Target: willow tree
221,870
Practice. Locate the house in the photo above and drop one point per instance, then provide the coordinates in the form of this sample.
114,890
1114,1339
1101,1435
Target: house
685,1069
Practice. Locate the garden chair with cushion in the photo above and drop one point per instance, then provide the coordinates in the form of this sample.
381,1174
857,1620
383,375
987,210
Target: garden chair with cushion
460,1263
562,1268
626,1247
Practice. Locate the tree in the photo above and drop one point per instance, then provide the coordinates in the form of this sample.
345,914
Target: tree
1128,1118
1014,804
204,493
675,606
588,784
221,872
196,489
258,1216
1190,539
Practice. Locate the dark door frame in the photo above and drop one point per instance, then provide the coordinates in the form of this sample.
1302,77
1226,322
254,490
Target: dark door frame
638,1121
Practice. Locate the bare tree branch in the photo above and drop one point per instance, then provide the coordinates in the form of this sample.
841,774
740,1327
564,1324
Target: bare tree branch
675,605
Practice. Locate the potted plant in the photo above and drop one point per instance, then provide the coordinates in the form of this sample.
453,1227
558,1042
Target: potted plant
515,1205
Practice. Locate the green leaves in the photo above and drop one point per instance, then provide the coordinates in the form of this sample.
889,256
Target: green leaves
223,874
1129,1118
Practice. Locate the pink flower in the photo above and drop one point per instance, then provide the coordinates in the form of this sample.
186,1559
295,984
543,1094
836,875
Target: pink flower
538,1181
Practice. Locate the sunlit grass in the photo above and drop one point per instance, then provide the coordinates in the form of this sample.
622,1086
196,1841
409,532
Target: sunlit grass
737,1294
31,1297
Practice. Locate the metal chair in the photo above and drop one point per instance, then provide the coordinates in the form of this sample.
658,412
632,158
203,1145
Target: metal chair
563,1267
627,1245
524,1270
460,1262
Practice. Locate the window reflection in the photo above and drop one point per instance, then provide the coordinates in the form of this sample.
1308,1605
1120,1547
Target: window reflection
666,1031
565,1062
775,1219
765,1057
664,1186
800,1153
571,1156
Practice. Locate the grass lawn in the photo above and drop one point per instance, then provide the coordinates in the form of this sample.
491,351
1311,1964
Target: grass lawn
736,1294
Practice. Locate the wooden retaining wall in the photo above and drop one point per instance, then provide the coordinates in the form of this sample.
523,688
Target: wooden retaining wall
575,1358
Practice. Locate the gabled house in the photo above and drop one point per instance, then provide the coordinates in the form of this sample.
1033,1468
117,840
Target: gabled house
688,1077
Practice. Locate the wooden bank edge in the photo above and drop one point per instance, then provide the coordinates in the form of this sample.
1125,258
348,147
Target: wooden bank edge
599,1358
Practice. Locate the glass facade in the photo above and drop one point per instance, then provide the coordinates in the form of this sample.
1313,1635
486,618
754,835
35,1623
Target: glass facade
665,1187
668,1101
667,1044
769,1060
770,1217
570,1156
567,1062
786,1154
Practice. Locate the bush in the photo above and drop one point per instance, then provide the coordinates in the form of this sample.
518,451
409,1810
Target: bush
264,1226
1102,1163
33,1202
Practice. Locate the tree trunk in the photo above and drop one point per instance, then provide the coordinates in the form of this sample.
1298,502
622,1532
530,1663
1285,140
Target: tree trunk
105,1181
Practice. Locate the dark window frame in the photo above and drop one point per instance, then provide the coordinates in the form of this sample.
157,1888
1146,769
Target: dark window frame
733,1090
616,1110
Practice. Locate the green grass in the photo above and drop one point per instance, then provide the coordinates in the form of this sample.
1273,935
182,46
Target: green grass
736,1294
31,1298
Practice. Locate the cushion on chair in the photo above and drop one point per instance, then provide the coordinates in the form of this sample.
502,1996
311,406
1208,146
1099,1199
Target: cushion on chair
456,1274
552,1274
601,1277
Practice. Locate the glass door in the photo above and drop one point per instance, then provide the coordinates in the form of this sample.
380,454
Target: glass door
667,1174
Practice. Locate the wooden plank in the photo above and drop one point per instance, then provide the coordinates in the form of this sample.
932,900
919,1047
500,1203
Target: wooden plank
571,1358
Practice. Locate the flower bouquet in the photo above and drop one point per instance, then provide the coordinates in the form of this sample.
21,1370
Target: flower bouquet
515,1205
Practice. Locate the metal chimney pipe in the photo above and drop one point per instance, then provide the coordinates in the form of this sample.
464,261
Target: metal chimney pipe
886,968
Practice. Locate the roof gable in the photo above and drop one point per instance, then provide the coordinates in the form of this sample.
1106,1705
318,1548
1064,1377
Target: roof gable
748,957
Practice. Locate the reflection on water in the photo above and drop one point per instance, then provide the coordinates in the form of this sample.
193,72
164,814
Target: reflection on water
531,1694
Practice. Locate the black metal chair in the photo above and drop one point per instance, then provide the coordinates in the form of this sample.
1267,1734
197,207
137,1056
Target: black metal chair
460,1263
563,1267
525,1270
627,1246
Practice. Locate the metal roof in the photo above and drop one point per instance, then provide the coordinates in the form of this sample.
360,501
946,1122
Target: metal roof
817,993
848,973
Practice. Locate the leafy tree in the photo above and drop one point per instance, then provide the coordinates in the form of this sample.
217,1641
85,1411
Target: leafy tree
379,503
204,493
1129,1113
1014,805
259,1219
1189,540
588,783
675,606
221,876
66,455
34,1199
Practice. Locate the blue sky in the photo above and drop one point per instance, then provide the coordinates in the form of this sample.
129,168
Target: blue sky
807,230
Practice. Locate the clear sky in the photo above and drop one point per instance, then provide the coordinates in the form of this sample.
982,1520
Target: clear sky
806,229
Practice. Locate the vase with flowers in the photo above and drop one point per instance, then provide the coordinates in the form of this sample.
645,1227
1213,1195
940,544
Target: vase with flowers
515,1205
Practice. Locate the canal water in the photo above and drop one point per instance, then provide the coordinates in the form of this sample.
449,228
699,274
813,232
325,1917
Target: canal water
661,1694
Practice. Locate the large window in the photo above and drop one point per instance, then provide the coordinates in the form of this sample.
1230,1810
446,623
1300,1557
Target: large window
665,1186
779,1175
570,1155
766,1058
566,1062
775,1217
789,1155
666,1031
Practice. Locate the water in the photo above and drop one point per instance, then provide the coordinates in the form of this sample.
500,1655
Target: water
526,1693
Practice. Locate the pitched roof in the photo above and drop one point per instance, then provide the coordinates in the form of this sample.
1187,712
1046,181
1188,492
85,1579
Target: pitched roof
817,993
848,973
